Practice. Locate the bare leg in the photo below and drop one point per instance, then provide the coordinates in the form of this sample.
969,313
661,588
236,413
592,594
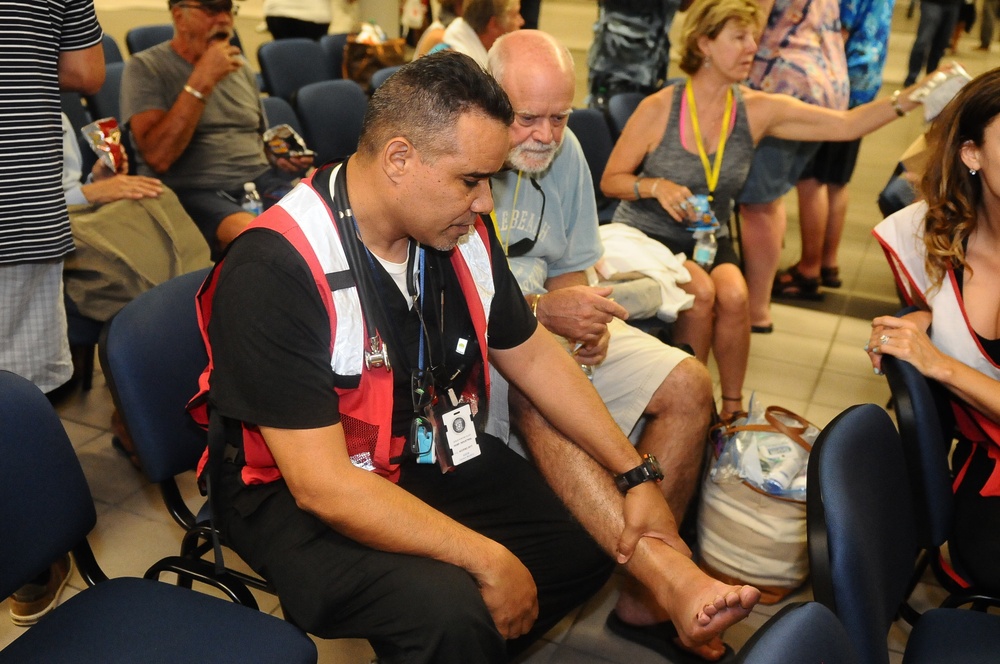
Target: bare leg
839,198
231,226
763,230
814,211
677,420
700,607
731,343
694,325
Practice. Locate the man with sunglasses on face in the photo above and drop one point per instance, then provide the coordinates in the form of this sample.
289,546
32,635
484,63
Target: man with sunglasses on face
194,112
547,224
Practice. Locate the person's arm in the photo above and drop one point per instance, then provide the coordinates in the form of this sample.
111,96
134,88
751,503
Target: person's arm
907,339
783,116
546,375
162,136
642,133
361,505
579,312
106,186
82,70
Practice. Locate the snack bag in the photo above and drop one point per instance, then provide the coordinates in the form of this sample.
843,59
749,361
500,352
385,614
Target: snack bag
283,142
104,136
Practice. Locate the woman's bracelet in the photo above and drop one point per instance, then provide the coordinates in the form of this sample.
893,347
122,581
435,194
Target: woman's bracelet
635,188
895,104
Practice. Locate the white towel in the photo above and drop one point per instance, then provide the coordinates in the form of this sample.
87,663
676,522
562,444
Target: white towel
629,249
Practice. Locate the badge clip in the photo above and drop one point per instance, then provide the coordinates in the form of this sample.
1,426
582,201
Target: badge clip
377,355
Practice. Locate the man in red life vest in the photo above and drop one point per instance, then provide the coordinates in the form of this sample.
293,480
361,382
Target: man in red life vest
348,331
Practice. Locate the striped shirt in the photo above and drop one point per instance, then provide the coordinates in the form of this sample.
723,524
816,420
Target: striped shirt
33,220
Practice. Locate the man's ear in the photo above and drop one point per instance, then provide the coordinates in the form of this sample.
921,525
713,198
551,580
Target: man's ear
398,157
969,152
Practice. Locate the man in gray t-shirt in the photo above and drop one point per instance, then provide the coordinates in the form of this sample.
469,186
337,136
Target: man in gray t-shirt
195,116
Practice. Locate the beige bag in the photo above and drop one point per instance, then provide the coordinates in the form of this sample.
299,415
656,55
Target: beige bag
747,536
127,247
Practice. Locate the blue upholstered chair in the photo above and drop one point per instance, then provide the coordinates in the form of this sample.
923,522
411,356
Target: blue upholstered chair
277,111
144,36
288,64
331,113
378,78
46,509
333,48
591,129
152,355
803,633
863,543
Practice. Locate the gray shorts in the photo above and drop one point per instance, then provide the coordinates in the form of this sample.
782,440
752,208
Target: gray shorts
208,207
636,365
33,341
777,165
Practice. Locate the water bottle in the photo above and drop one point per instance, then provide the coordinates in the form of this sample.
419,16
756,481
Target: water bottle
783,473
705,247
251,199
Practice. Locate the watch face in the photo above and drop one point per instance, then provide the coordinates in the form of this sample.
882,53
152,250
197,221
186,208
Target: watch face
654,467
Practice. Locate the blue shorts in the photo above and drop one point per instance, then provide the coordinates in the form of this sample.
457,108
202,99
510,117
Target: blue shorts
777,165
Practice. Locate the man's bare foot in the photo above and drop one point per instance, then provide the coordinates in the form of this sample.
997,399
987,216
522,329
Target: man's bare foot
729,605
674,588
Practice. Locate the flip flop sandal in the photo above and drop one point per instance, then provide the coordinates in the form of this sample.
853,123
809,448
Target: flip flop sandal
830,277
660,638
791,285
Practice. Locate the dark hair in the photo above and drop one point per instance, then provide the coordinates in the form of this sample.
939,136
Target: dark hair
424,99
952,193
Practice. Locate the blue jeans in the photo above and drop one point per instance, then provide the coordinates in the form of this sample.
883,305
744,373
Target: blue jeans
937,22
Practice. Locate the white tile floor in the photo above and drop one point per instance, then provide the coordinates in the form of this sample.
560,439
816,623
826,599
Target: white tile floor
812,363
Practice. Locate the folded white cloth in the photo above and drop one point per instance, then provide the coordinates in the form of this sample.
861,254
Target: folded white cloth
628,249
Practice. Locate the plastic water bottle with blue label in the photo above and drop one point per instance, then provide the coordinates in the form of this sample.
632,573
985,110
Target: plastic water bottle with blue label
705,247
251,199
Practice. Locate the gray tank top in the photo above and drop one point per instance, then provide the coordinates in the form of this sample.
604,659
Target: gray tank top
671,161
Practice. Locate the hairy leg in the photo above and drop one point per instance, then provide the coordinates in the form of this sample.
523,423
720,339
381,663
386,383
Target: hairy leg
763,230
677,420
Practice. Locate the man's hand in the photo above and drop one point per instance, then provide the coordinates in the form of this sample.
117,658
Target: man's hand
508,591
647,515
219,61
294,165
593,354
580,313
120,187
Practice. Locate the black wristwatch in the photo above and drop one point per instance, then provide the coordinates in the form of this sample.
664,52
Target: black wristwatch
649,469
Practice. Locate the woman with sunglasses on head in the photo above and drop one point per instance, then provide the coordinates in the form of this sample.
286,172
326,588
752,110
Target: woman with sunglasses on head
691,144
945,254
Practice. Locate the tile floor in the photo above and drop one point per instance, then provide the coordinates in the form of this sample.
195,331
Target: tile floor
812,363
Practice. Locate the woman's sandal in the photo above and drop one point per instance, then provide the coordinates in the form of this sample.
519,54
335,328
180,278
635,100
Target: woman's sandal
792,285
830,277
732,416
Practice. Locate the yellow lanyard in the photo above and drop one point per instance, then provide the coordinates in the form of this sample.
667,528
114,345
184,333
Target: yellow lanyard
711,171
505,241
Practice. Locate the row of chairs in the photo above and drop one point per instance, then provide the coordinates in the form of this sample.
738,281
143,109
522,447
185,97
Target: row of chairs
46,509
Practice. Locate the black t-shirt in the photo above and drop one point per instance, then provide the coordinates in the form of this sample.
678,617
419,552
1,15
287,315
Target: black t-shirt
270,332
